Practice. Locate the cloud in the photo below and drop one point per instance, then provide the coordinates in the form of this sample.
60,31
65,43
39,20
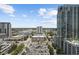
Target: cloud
12,15
52,12
49,17
42,11
47,13
53,21
24,15
50,22
7,8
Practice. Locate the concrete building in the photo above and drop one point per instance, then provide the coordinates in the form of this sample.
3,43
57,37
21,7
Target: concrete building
5,30
71,47
38,37
15,38
39,30
67,24
5,47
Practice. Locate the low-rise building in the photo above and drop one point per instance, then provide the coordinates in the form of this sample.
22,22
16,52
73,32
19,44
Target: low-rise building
39,37
5,47
15,38
38,45
38,49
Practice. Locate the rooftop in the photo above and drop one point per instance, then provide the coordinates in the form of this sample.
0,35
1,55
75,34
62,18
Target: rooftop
15,37
39,35
74,42
4,22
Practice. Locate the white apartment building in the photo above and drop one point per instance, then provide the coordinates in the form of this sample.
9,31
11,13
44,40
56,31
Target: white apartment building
71,47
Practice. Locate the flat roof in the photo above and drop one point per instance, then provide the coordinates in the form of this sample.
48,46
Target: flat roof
74,42
39,35
16,37
4,22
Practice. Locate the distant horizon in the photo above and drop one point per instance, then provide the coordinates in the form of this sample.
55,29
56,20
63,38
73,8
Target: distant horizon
29,15
30,27
24,27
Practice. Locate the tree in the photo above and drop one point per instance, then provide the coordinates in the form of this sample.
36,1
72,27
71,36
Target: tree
53,45
14,46
50,33
51,51
59,51
18,49
25,38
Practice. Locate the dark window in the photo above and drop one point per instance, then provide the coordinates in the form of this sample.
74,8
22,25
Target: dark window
0,30
5,30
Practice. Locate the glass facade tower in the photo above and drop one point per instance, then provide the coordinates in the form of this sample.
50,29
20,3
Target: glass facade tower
67,24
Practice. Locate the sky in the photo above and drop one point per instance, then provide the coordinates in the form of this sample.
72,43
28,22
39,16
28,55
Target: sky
29,15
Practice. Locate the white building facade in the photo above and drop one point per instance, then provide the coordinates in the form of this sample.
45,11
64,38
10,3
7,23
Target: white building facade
71,47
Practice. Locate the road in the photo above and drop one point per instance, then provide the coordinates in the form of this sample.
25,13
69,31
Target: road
27,44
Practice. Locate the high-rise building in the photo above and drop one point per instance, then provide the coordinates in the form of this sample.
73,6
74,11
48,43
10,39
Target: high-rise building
67,25
5,30
39,30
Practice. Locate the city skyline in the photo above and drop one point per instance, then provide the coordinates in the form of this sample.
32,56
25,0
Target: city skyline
63,40
29,15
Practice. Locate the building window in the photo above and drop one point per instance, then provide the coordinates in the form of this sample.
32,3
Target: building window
5,30
0,30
